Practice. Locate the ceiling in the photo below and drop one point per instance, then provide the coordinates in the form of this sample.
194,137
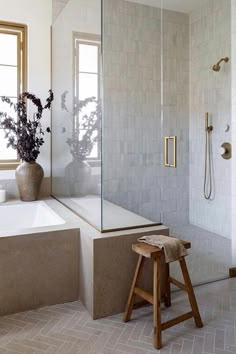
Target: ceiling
176,5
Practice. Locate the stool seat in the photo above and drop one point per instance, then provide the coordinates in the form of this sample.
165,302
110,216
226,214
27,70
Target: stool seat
150,251
155,254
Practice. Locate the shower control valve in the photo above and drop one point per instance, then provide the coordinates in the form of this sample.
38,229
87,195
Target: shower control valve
222,150
225,151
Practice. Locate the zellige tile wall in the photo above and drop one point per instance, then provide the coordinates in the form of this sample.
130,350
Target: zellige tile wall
132,160
210,40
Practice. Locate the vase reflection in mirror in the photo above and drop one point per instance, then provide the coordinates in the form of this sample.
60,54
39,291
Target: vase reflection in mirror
85,117
78,178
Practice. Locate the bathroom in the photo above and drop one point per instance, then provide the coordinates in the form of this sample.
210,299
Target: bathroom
157,160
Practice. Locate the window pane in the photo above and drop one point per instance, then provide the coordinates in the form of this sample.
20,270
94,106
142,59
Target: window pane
88,58
6,153
8,52
8,81
88,86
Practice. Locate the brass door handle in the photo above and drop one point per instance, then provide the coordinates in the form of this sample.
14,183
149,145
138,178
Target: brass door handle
167,162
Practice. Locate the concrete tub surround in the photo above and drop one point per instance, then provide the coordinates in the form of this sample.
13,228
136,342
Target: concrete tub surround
66,262
39,266
107,264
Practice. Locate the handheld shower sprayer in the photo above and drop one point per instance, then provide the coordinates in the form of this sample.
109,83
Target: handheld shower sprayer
208,184
208,128
217,66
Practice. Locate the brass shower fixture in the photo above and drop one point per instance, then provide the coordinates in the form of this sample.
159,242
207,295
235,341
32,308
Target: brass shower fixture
216,67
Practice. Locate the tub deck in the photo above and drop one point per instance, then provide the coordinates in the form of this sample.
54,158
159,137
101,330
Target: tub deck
103,214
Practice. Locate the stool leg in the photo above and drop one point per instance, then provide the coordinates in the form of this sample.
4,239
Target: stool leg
130,303
167,286
191,295
157,303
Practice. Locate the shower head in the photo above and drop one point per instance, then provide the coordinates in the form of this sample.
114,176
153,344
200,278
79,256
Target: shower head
217,67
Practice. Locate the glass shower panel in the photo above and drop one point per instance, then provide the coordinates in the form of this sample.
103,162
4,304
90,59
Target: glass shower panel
77,113
132,138
196,35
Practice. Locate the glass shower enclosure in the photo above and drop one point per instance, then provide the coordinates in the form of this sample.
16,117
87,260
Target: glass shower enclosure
133,81
77,112
107,113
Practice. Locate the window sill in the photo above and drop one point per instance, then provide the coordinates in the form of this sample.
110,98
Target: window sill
9,166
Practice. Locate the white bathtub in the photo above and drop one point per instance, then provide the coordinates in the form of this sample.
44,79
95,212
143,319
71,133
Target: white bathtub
27,216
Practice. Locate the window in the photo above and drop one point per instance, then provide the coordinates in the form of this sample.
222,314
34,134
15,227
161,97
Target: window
12,79
87,85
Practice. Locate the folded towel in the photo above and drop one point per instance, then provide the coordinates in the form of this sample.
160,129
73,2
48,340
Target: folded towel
173,248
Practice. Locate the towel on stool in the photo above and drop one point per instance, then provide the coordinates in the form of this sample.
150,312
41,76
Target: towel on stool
173,248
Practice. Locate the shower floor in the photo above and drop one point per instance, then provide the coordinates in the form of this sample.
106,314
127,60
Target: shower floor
93,210
210,255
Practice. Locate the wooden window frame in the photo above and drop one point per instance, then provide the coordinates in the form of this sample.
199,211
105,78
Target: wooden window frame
95,40
21,31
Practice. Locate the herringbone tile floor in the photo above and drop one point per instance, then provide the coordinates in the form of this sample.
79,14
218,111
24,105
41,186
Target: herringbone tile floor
68,329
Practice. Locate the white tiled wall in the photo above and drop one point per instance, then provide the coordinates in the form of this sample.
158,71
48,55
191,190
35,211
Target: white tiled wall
132,107
210,40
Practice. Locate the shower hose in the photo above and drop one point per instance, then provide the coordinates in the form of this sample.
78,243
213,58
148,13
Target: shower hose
208,167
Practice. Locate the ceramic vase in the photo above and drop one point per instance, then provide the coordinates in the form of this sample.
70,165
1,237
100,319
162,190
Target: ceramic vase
29,176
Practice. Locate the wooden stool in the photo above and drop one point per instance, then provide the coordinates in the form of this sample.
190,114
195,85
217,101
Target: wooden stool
155,253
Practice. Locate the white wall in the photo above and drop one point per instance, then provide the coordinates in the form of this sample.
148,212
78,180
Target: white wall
37,15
